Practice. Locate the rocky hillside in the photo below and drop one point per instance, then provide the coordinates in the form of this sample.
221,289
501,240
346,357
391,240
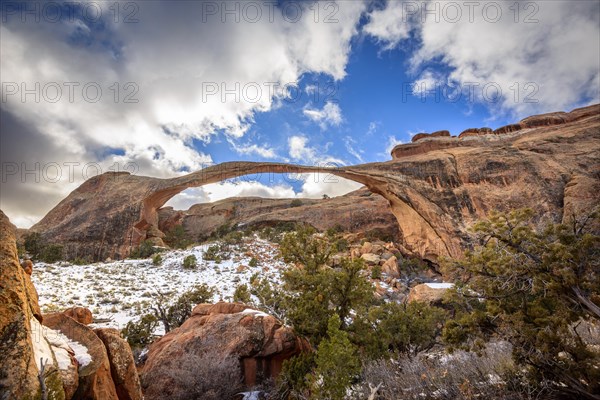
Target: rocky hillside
436,187
358,212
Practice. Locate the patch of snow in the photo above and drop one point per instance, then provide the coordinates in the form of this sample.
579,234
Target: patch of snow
62,343
444,285
41,347
255,313
250,395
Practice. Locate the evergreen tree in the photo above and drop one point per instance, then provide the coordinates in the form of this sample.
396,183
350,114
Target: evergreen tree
533,287
337,363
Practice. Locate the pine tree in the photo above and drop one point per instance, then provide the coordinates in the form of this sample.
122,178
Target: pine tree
337,363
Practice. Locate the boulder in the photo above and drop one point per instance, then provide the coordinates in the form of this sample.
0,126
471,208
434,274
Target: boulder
366,247
419,136
27,266
80,314
122,364
371,259
431,293
95,379
390,267
213,334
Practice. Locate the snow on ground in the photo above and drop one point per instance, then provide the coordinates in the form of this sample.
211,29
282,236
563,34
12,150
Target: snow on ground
442,285
121,291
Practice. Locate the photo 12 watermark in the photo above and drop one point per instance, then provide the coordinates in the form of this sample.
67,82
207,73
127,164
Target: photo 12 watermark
66,171
71,92
90,12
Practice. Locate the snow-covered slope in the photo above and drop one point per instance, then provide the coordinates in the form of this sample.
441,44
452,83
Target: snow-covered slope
120,291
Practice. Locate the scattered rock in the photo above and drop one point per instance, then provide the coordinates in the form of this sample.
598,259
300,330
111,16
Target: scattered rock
390,267
366,247
371,259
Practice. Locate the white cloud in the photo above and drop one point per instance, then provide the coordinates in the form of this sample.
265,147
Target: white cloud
545,61
316,185
373,126
329,115
391,24
357,153
391,143
300,151
427,83
254,149
180,68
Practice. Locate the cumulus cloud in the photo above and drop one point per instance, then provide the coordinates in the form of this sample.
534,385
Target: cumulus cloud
391,24
329,115
545,57
175,77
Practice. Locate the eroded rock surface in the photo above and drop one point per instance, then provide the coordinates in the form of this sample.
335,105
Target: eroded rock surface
218,332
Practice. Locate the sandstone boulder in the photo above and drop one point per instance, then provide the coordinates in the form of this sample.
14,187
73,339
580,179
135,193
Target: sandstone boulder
80,314
221,331
95,380
390,267
367,247
371,259
431,293
122,364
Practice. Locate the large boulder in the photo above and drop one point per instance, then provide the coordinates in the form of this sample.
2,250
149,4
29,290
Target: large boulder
122,364
252,344
95,379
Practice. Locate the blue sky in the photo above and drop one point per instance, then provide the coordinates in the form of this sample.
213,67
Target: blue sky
361,76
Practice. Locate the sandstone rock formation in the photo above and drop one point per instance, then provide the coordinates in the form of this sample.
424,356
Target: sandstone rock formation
436,188
79,314
122,365
431,293
95,381
358,211
218,332
18,365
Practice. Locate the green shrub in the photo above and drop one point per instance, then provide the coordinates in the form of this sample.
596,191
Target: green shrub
253,262
242,294
190,262
376,272
157,259
139,334
144,250
177,238
52,253
296,203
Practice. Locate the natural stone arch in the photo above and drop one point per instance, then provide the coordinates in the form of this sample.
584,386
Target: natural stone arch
422,237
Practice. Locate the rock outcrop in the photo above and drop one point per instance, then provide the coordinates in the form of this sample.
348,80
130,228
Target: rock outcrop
431,293
358,211
122,365
18,364
436,188
258,342
80,314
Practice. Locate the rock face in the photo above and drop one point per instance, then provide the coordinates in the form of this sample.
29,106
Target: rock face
122,365
436,188
18,366
431,293
219,332
24,341
358,211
